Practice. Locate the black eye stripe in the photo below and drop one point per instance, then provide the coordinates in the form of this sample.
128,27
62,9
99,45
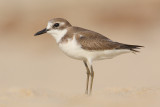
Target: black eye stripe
56,25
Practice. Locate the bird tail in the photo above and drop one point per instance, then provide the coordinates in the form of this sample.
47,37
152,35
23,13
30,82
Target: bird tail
133,48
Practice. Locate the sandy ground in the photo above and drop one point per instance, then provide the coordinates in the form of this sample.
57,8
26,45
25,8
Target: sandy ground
112,97
35,73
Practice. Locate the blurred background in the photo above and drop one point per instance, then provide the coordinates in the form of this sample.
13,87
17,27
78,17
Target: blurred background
37,62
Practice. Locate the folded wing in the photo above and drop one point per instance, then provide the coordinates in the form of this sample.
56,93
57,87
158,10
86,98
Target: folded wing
90,40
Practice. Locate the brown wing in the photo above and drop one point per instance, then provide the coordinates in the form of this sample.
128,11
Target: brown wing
90,40
95,41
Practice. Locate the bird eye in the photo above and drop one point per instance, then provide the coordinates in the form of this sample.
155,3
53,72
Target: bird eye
56,25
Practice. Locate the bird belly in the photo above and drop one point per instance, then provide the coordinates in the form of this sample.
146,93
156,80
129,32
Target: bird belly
109,54
76,52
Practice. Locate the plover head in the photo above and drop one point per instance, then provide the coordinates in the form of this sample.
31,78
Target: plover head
57,27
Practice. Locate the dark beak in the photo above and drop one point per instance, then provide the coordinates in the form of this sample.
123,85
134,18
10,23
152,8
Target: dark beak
41,32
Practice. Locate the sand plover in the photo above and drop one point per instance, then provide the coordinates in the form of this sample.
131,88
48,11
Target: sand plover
85,45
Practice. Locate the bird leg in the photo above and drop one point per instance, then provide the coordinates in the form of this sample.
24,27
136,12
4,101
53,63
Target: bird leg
88,74
92,76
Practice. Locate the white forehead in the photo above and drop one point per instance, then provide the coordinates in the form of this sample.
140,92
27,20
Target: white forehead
50,24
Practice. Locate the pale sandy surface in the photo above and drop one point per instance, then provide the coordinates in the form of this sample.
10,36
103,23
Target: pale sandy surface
112,97
35,73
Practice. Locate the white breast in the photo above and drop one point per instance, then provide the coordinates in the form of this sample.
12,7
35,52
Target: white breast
72,49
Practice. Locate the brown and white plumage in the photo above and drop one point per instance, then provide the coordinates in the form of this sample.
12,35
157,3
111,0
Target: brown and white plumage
91,40
83,44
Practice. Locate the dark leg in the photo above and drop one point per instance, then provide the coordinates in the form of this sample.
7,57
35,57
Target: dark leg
88,74
92,76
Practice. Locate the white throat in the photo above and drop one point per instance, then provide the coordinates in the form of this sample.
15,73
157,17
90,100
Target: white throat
58,34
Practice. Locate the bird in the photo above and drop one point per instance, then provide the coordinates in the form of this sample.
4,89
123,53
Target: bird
85,45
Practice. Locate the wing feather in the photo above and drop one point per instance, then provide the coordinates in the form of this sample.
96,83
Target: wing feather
90,40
